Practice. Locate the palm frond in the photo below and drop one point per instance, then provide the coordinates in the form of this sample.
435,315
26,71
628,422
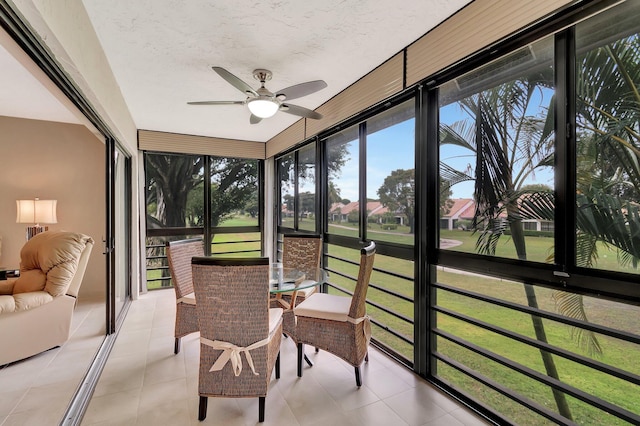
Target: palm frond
572,305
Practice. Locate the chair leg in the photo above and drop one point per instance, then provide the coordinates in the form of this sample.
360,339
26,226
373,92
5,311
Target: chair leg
176,346
306,358
358,380
300,351
202,409
261,400
278,366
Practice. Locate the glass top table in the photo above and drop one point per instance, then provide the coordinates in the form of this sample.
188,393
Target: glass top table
293,280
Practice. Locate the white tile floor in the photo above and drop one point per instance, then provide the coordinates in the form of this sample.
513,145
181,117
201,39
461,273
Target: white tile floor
144,383
37,391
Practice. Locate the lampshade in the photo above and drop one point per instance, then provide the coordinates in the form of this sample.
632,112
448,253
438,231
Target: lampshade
36,211
263,107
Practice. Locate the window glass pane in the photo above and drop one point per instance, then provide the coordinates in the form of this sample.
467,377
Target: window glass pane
391,175
608,140
307,188
239,244
493,325
174,190
234,192
343,173
287,188
496,157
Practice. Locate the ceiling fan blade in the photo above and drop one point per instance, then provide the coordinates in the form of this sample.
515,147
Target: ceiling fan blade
302,89
216,103
235,81
300,111
254,119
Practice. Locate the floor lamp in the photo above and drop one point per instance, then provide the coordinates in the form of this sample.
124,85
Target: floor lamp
36,212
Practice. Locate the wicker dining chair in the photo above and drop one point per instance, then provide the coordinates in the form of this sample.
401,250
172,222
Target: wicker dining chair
338,324
302,252
232,302
179,254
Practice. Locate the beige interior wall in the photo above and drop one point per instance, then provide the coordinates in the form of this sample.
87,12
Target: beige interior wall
57,161
72,41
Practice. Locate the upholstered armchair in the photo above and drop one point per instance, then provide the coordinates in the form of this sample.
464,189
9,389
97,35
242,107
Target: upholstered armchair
36,309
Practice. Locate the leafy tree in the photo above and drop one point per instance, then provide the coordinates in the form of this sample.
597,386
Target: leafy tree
175,185
252,207
397,193
288,201
307,203
445,197
170,179
353,216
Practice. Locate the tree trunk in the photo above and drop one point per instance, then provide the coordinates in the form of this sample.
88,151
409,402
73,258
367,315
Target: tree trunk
517,235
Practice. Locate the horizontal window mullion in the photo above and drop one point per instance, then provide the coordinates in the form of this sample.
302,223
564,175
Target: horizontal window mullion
596,365
235,229
172,232
543,378
633,338
617,286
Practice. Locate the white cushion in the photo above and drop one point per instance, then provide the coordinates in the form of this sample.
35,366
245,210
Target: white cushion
26,301
275,315
324,306
189,299
7,304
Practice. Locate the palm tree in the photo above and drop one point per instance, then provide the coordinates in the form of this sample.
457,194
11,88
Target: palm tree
510,144
608,171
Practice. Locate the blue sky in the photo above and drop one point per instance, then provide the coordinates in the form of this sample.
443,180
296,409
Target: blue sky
392,148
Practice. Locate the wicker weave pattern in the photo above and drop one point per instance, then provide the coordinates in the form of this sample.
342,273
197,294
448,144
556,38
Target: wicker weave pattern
343,339
179,254
302,253
232,306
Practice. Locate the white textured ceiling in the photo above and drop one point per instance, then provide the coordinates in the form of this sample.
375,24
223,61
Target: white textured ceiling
161,53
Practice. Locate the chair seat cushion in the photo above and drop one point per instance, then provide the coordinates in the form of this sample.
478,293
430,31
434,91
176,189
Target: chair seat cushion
275,315
324,306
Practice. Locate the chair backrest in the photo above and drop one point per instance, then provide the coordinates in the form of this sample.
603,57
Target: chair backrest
54,261
302,251
235,296
232,305
179,254
358,301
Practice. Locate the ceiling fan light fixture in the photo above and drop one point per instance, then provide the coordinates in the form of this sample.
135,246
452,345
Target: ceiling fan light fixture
263,107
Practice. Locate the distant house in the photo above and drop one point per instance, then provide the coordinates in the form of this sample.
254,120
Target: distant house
340,212
465,209
462,208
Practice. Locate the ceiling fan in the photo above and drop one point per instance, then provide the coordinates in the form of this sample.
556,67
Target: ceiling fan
264,104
